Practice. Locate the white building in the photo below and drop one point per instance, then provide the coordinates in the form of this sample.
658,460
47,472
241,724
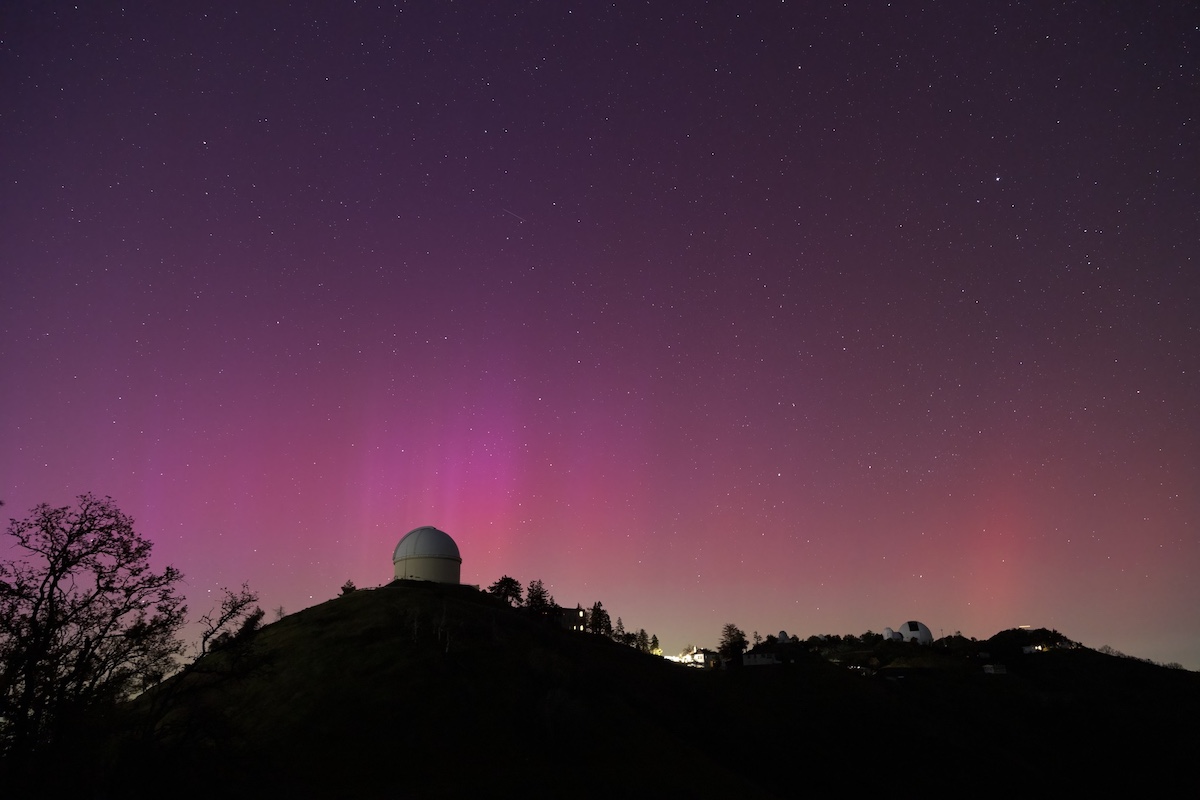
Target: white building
427,554
911,631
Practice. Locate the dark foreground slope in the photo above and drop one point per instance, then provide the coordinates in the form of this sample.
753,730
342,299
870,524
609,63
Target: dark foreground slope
424,690
419,690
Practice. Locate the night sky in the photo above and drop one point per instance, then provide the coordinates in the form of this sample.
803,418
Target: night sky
803,316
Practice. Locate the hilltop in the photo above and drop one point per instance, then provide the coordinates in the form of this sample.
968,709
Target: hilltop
427,690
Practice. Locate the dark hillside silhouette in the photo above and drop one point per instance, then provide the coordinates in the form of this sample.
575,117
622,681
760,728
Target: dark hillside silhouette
426,690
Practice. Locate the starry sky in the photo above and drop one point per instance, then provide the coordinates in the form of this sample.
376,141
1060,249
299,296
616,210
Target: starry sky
797,315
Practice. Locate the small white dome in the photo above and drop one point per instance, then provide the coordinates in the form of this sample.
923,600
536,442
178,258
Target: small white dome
426,541
913,631
427,554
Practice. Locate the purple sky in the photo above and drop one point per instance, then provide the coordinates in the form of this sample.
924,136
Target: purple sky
792,315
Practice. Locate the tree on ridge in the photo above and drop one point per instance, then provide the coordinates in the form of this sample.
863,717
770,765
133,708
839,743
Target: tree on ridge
733,641
599,621
538,598
238,618
84,620
507,589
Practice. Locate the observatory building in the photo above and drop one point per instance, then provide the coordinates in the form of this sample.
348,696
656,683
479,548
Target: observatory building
427,554
911,631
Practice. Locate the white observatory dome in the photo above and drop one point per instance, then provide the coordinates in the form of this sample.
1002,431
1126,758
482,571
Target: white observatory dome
427,554
913,631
